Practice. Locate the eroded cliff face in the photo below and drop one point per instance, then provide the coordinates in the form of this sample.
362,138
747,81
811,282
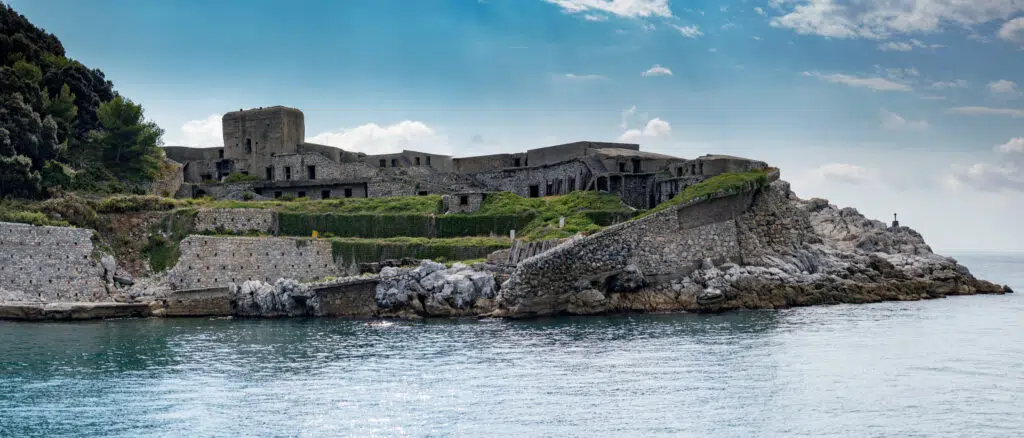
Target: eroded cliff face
761,249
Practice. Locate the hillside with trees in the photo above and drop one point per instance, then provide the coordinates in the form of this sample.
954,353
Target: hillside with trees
62,125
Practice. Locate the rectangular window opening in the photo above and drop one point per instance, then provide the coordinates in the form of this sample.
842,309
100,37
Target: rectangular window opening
287,173
534,191
348,193
325,194
463,200
310,172
383,163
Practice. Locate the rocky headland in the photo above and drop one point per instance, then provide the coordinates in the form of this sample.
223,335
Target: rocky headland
752,246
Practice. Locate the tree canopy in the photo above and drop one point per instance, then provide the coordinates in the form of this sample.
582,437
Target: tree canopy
62,125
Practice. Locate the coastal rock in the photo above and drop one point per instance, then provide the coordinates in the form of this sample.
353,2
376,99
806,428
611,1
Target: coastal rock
432,290
761,248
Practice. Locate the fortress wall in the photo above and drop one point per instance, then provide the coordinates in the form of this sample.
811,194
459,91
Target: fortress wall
519,180
272,130
49,263
236,220
663,246
484,163
208,262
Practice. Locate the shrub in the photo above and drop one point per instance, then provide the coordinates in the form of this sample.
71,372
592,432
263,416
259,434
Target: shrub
133,203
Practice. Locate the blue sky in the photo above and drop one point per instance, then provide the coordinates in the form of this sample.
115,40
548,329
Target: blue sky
907,106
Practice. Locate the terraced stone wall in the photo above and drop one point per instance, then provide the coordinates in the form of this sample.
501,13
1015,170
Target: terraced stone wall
50,264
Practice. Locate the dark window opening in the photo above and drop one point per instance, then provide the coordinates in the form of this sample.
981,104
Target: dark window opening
348,193
700,168
287,172
248,144
463,200
394,162
422,193
199,193
534,191
602,184
245,172
417,161
428,160
550,190
383,163
517,162
636,166
572,184
679,171
693,169
259,191
325,194
270,173
277,195
622,167
220,153
206,177
302,194
311,172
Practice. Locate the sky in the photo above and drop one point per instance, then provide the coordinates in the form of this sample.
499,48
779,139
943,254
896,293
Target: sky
914,107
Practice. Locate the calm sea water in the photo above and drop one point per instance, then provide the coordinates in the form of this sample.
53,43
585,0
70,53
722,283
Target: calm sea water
952,367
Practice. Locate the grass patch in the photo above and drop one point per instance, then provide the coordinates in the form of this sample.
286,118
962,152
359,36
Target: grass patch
733,182
354,250
164,246
584,212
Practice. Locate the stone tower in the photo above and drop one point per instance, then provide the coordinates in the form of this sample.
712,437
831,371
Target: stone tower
252,136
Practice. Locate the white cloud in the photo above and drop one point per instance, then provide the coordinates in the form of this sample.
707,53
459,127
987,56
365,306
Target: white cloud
576,77
648,27
689,31
958,83
756,38
1003,86
626,115
932,97
843,173
874,83
621,8
1014,146
1012,30
1005,174
906,46
202,132
657,70
760,11
655,128
372,138
987,111
880,19
896,122
592,17
713,50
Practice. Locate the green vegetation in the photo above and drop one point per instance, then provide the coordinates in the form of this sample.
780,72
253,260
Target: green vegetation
62,125
583,211
164,246
355,250
733,182
241,177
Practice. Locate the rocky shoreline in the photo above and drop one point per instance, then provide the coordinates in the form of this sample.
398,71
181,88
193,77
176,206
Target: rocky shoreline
760,248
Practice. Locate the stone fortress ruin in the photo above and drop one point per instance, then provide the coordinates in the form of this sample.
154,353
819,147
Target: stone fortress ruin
268,146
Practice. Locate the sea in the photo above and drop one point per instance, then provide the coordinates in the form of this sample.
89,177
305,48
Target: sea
950,367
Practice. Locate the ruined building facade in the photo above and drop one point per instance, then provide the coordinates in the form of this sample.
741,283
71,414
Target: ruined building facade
268,145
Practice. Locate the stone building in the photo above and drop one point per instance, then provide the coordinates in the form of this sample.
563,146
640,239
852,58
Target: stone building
268,146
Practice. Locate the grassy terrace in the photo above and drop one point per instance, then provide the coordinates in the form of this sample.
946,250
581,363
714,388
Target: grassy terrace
734,182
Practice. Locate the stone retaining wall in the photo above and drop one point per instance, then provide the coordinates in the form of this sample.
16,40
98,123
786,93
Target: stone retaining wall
50,264
208,261
236,220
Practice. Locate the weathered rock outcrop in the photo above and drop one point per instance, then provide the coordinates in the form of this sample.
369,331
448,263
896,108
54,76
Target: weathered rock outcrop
761,248
432,290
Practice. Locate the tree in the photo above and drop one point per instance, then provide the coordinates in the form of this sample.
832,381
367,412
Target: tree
17,178
63,110
129,144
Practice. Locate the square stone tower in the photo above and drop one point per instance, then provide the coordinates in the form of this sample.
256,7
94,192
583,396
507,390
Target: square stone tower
252,136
